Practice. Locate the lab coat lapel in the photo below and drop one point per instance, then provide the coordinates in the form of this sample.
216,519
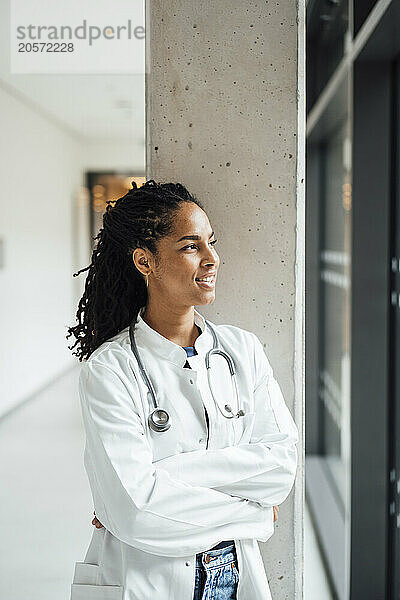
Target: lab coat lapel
148,339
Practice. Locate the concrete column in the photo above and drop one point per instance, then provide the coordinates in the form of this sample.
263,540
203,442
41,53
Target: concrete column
225,117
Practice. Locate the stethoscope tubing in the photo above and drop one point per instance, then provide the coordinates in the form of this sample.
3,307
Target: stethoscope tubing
159,418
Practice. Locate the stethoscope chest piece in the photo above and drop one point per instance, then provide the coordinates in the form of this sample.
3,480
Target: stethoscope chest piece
159,420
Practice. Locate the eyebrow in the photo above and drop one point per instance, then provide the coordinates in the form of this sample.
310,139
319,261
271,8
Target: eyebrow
192,237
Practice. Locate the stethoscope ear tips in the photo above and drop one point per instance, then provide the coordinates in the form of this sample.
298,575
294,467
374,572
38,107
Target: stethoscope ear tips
159,420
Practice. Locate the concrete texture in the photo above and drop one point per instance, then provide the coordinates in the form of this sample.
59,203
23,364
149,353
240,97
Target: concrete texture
225,117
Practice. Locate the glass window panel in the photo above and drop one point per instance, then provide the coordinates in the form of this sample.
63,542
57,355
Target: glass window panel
327,24
335,265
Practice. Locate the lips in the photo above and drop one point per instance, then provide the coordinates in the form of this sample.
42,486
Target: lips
207,276
206,282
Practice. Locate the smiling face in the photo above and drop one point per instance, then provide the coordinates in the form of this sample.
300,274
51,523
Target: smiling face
184,256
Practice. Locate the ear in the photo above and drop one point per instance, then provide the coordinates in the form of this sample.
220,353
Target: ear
141,261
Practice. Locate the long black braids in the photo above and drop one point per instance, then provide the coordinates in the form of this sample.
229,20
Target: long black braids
115,290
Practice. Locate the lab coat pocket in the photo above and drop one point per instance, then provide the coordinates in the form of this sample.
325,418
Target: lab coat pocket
243,427
84,585
85,573
81,591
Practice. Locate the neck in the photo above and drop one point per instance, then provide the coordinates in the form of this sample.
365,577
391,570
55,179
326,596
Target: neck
176,324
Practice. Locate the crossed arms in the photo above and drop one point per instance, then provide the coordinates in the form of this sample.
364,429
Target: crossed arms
188,502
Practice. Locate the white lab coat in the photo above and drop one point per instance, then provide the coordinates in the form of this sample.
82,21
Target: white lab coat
163,497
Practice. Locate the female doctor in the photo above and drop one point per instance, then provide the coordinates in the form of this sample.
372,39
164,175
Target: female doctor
189,442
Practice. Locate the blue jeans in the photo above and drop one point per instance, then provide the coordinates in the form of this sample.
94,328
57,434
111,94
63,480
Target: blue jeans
217,574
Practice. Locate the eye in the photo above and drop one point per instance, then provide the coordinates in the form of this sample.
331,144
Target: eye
195,245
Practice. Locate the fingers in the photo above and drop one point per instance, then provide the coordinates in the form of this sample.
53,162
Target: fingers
96,522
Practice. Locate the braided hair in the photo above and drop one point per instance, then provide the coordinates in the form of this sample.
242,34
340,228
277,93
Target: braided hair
115,290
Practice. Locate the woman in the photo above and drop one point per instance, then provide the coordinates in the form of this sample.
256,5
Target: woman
184,472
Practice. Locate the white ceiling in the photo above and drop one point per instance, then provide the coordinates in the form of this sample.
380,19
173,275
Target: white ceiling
96,107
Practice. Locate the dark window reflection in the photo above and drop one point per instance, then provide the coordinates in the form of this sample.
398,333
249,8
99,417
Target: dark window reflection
327,24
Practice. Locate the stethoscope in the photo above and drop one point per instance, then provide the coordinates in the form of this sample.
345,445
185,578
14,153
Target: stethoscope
159,418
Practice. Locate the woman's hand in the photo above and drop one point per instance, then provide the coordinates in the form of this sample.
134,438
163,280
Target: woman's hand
276,510
96,522
99,525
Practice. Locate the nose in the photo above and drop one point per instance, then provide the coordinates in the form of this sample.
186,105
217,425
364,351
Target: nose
211,257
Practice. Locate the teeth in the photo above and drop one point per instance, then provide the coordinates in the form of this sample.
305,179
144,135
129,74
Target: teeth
208,279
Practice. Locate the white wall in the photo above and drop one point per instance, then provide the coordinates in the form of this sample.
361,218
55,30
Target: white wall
44,225
40,178
107,155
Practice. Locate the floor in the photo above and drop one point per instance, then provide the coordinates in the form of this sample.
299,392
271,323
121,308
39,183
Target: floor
45,521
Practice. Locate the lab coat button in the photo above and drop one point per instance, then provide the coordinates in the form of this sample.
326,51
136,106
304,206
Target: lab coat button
187,563
201,441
